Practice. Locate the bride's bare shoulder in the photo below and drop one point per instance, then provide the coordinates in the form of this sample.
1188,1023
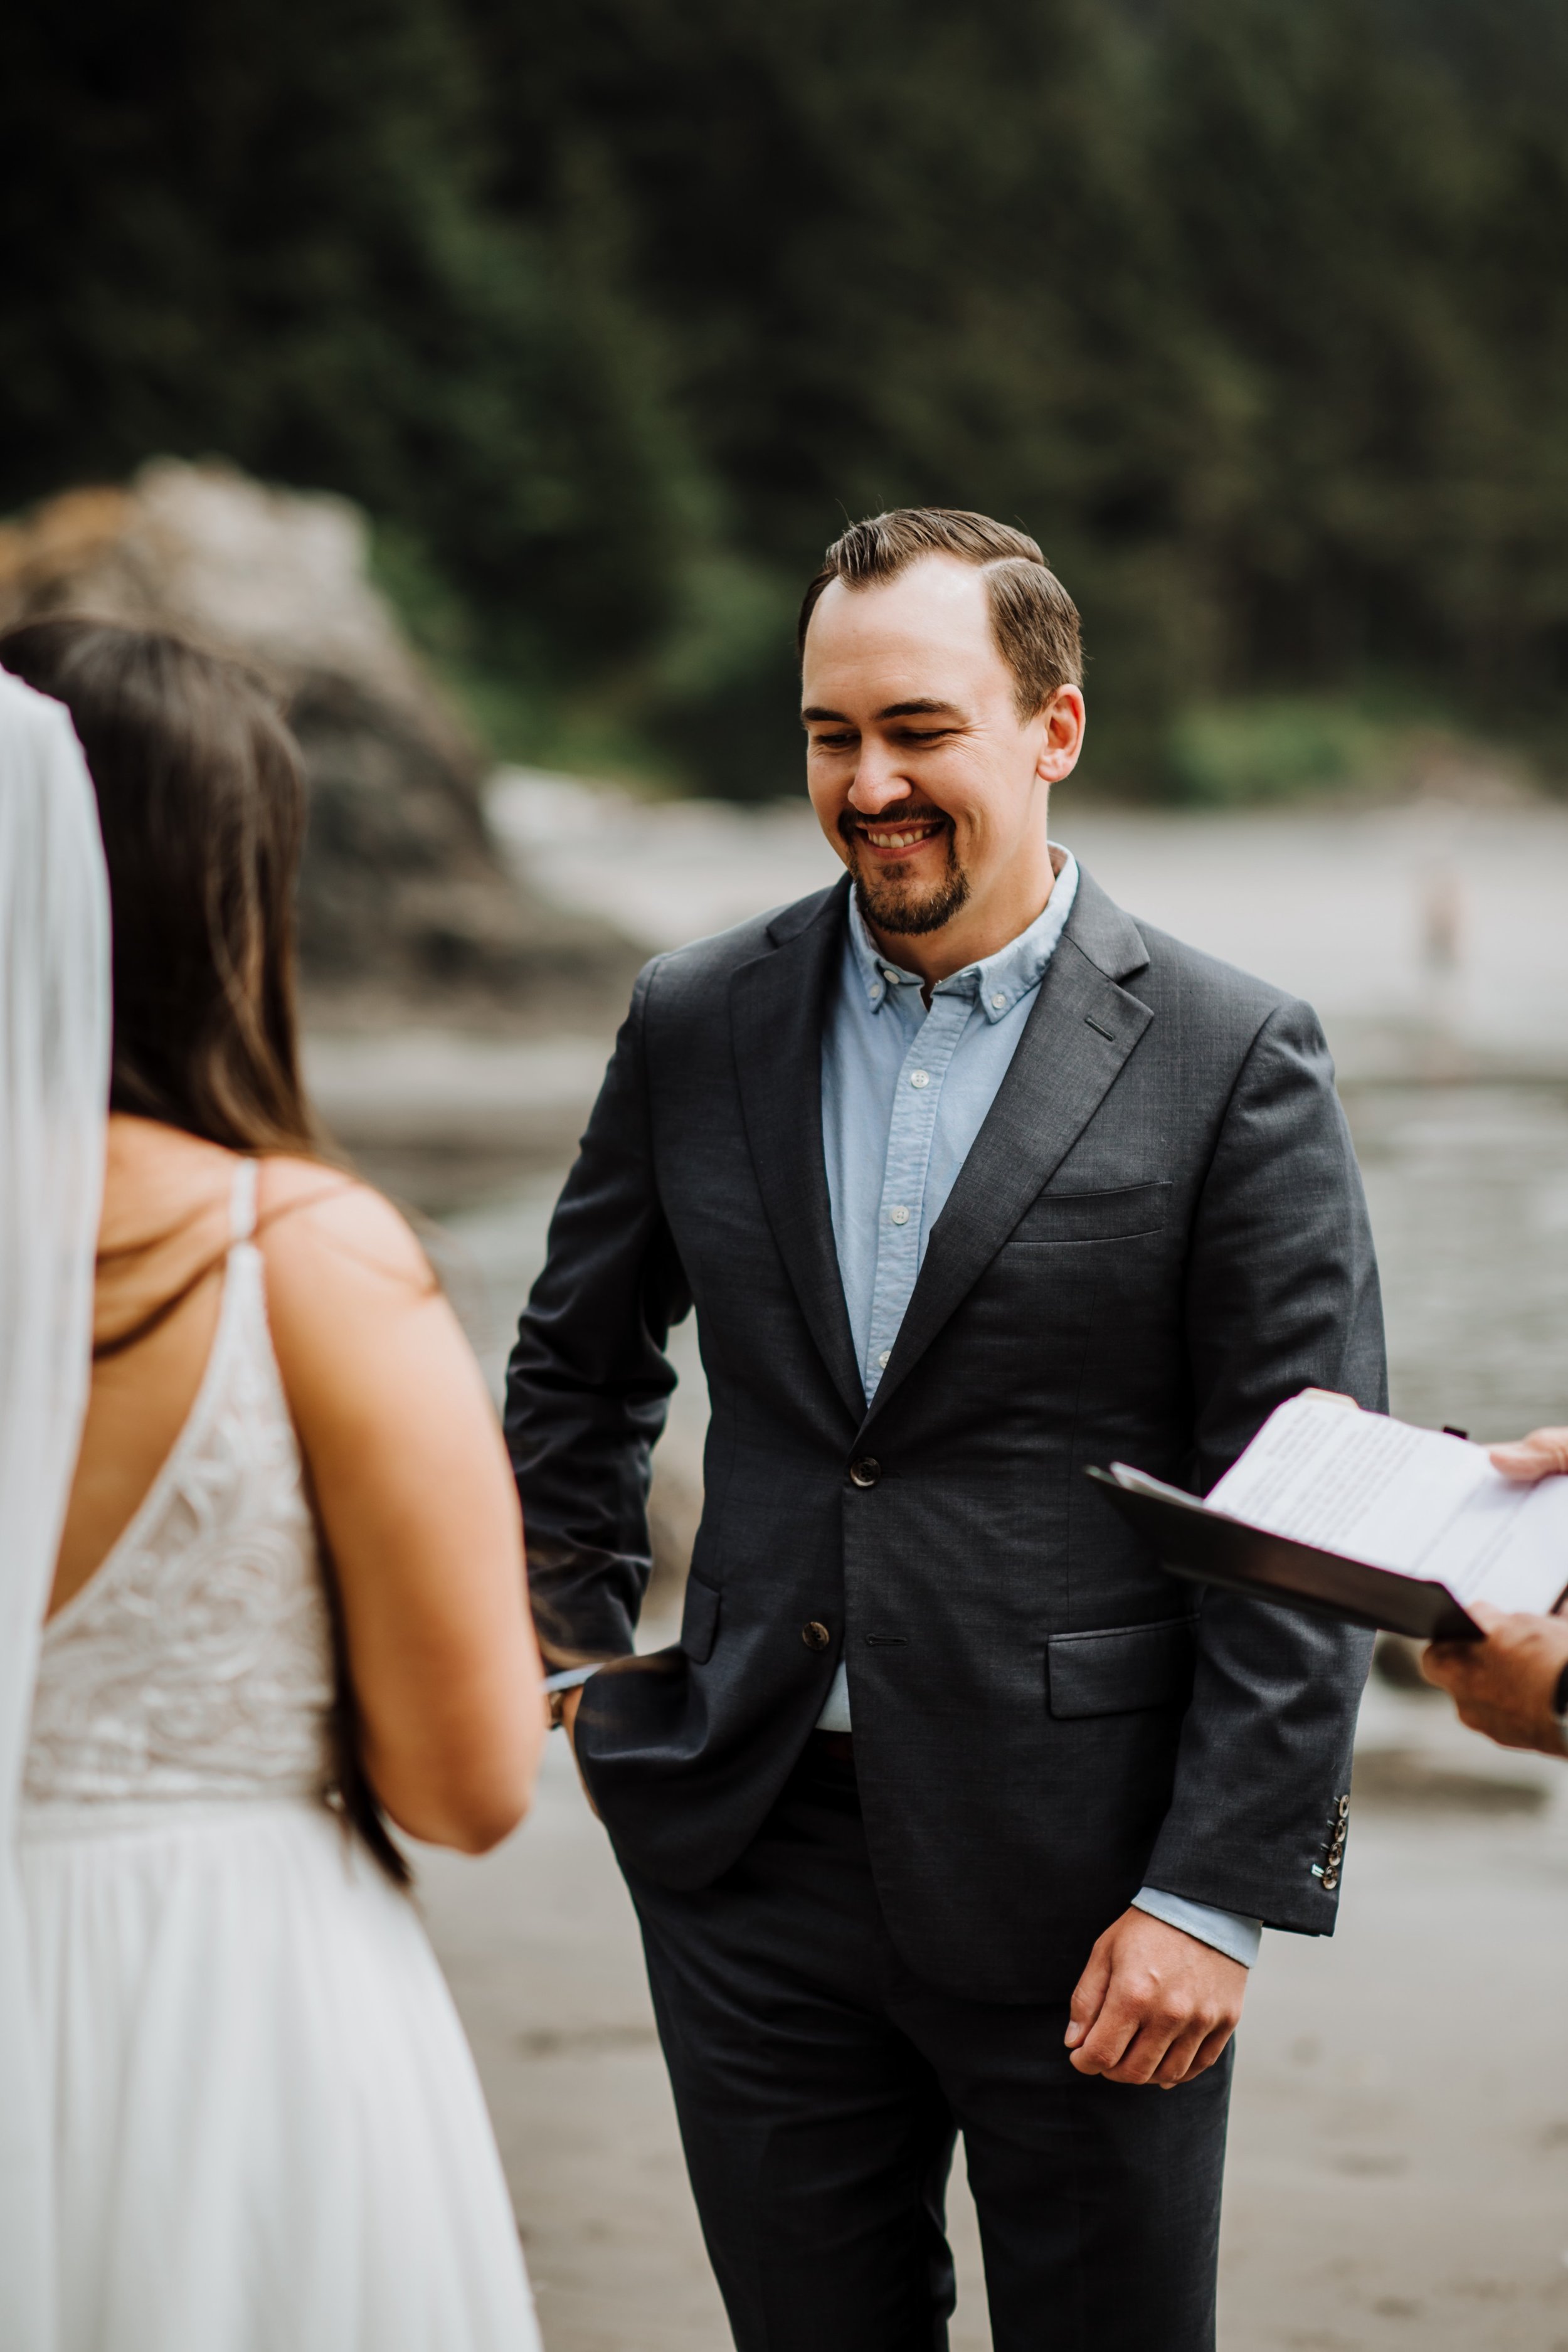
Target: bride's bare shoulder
321,1225
358,1318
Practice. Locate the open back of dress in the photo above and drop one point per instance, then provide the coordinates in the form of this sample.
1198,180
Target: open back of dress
197,1662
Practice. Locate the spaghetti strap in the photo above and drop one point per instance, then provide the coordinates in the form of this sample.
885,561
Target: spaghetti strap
242,1203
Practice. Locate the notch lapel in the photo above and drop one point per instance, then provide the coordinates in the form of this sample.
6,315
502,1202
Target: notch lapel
778,1006
1080,1033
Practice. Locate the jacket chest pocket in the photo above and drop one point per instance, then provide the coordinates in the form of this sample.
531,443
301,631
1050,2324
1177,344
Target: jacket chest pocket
1121,1214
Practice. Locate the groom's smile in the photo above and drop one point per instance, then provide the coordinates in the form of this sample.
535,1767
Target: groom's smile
891,843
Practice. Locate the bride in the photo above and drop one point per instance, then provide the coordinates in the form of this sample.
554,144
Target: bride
289,1594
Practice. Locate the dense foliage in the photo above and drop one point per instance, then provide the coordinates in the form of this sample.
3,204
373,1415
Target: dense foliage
1255,311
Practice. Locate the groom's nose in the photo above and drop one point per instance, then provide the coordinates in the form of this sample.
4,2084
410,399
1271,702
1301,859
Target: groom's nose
876,782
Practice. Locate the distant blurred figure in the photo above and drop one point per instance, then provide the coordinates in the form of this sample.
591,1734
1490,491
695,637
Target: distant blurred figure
1513,1687
288,1592
1442,920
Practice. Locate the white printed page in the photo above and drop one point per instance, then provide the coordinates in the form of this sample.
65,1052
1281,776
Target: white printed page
1325,1474
1507,1546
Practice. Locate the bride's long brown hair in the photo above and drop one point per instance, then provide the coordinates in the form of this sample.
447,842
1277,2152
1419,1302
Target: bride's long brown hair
201,801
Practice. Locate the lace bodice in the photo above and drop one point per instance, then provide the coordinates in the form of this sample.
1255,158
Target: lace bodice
197,1662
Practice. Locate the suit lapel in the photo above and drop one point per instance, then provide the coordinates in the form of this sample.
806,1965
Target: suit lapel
1078,1038
778,1006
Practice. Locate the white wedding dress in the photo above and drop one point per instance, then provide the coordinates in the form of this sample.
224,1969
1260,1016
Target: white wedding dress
267,2134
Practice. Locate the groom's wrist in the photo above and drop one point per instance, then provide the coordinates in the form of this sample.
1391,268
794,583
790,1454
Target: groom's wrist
1237,1937
563,1692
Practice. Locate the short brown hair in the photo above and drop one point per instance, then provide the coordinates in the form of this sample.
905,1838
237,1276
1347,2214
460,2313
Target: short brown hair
1033,619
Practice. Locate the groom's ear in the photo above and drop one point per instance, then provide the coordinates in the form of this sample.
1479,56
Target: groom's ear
1064,718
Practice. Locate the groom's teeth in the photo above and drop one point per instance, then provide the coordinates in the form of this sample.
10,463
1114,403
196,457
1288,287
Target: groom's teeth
900,840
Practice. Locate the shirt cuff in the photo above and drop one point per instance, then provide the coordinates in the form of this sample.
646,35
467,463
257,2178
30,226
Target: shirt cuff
571,1676
1228,1933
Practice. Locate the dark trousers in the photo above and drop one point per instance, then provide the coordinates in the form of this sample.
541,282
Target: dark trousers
821,2086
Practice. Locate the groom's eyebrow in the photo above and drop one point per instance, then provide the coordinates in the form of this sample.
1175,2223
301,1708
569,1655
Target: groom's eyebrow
921,708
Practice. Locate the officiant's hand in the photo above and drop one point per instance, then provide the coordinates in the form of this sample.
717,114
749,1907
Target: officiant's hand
1506,1686
1540,1456
1153,2005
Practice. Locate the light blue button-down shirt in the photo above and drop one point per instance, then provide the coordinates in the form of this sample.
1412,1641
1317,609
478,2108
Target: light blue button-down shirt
905,1091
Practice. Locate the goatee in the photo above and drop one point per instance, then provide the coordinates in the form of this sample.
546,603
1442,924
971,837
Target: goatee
884,900
902,916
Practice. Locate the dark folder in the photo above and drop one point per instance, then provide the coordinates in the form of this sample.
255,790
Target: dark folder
1193,1541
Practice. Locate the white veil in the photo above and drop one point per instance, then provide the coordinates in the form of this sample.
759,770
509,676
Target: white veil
54,1086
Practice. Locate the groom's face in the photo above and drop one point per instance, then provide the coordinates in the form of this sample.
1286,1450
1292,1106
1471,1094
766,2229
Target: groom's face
923,775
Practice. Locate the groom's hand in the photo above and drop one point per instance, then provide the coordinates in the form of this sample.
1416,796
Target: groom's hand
1153,2005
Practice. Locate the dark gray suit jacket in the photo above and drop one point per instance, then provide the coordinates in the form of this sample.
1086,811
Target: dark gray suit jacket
1158,1235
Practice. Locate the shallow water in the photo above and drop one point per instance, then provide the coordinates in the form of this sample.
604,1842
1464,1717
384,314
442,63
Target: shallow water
1468,1188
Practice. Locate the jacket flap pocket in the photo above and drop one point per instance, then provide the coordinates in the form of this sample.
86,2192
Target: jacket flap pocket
1125,1666
699,1622
1113,1216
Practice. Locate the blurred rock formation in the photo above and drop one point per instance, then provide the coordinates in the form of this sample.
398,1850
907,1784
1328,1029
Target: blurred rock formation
405,898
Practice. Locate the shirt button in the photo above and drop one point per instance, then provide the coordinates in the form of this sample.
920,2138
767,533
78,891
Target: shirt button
815,1634
920,1077
899,1216
866,1472
998,1000
876,988
884,1358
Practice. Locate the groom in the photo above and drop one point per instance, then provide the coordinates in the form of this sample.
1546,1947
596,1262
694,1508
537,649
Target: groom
952,1812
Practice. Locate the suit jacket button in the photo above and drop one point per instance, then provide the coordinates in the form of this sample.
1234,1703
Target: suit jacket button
867,1471
815,1634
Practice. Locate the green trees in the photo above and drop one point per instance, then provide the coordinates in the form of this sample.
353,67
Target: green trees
1255,311
262,230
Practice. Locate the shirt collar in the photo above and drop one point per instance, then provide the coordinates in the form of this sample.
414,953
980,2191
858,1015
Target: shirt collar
1002,979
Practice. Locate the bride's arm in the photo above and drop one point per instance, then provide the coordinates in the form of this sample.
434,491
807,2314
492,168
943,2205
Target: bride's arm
416,1498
